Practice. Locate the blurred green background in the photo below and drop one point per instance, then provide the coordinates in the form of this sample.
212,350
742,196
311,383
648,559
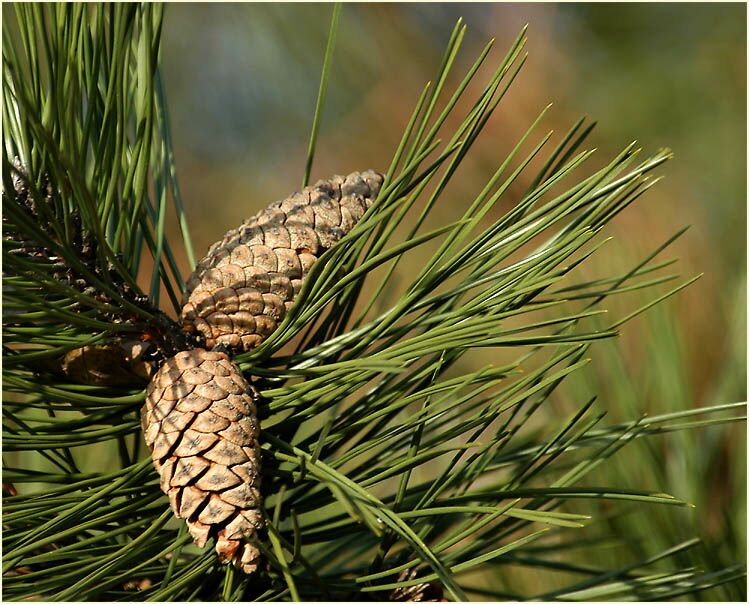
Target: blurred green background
242,82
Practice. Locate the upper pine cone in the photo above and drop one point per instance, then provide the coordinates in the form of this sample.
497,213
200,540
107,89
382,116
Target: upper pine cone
247,282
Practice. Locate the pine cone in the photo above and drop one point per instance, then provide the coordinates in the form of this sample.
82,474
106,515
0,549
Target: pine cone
200,423
115,364
247,282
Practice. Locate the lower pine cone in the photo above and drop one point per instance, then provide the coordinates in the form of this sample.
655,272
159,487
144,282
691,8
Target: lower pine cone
200,422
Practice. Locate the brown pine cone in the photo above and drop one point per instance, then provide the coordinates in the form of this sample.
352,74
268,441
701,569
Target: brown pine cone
114,364
200,423
247,282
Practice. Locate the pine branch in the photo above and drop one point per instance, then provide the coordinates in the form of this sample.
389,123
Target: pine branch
390,470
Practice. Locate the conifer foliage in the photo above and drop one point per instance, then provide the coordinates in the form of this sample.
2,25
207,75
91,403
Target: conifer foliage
374,464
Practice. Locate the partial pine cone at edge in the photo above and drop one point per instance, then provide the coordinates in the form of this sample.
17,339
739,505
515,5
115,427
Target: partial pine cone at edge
200,422
242,289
